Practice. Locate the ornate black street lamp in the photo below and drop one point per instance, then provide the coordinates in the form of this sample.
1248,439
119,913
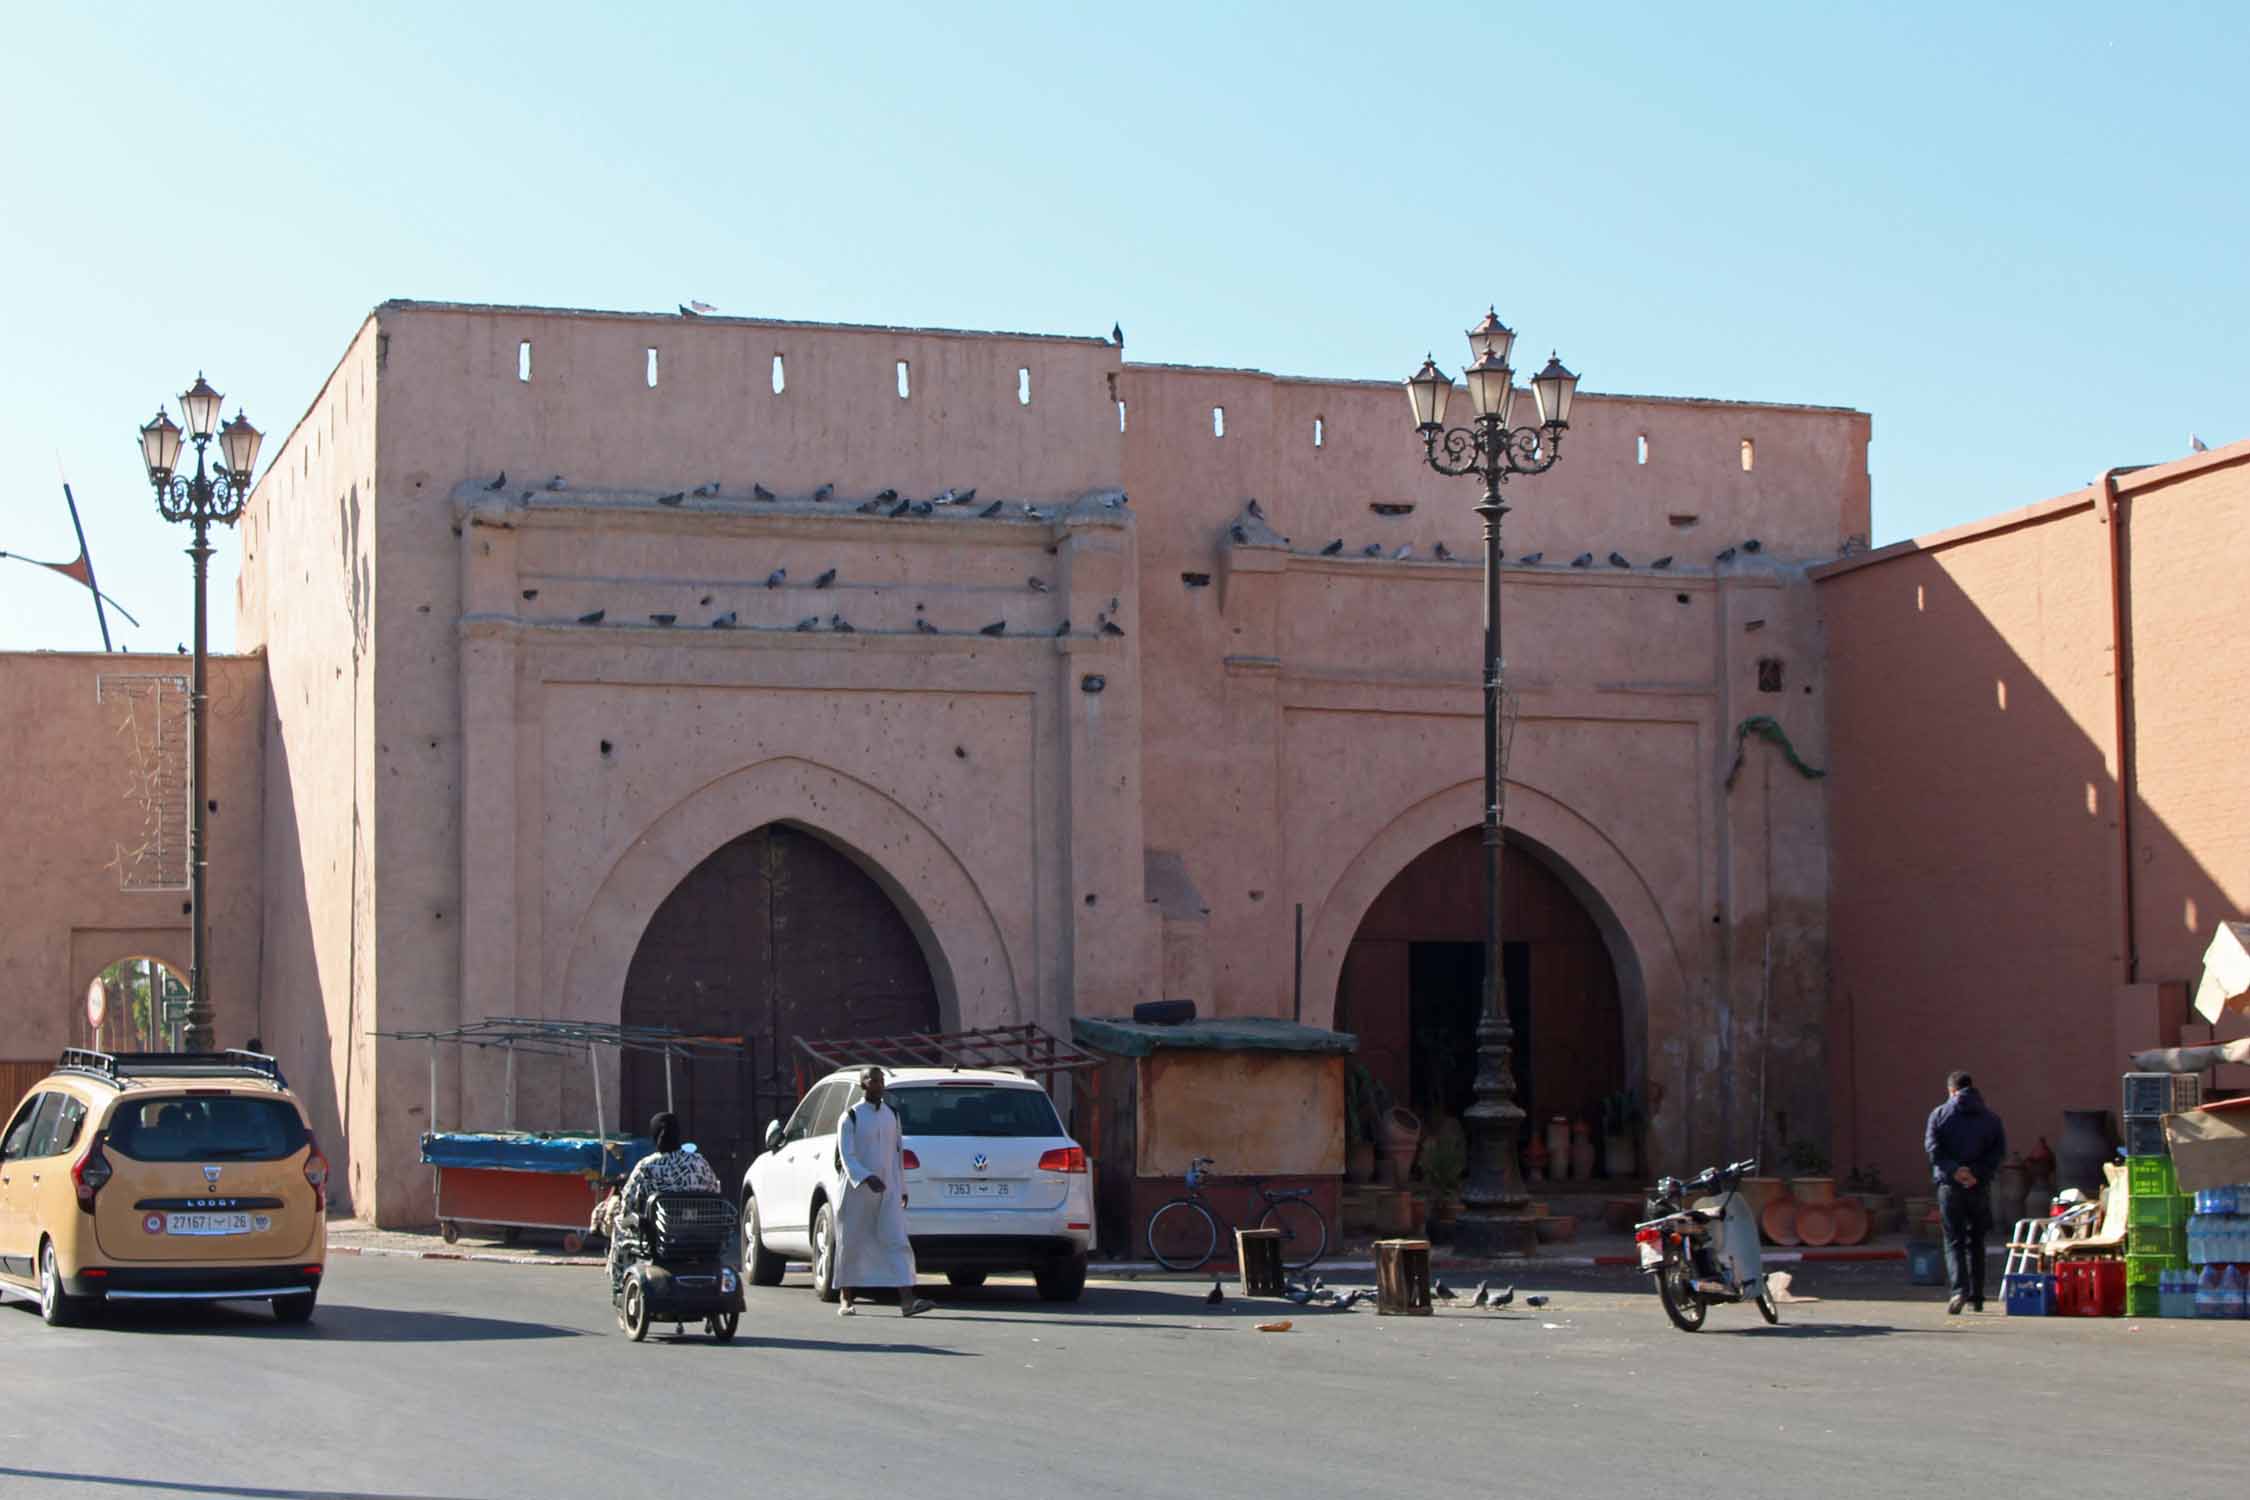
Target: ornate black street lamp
1495,1220
199,501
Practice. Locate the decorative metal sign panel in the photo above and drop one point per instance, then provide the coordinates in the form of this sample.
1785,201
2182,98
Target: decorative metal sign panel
151,728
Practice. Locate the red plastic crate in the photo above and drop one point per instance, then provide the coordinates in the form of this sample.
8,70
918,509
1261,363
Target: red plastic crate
2090,1289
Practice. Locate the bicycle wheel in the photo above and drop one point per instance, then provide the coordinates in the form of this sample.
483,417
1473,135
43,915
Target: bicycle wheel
1304,1233
1182,1235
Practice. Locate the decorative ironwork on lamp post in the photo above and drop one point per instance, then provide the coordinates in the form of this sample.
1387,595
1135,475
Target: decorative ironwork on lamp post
1489,449
200,500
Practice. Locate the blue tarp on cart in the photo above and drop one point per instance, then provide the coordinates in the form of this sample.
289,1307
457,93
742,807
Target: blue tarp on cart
537,1151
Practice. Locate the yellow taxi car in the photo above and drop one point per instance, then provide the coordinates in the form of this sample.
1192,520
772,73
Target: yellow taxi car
133,1177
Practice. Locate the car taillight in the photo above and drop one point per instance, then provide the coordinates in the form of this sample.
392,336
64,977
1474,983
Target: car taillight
88,1174
913,1162
1063,1159
316,1171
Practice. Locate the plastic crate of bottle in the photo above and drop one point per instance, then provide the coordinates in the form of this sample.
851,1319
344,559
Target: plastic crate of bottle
2147,1270
2090,1288
2029,1295
2161,1093
2159,1241
2143,1302
2151,1176
2144,1136
2158,1210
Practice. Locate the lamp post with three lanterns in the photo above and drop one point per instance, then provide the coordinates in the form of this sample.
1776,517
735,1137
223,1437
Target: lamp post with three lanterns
1495,1221
199,500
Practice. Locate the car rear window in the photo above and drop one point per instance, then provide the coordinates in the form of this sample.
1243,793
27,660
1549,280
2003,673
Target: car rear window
215,1127
974,1109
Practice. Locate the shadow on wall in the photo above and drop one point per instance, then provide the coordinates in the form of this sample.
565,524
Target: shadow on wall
1975,919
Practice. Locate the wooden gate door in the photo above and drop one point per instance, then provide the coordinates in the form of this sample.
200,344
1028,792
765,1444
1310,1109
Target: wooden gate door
777,935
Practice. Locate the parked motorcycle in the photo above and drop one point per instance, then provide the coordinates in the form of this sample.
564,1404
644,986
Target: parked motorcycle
1707,1250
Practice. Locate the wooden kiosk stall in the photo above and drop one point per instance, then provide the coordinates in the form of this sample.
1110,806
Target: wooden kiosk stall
1264,1098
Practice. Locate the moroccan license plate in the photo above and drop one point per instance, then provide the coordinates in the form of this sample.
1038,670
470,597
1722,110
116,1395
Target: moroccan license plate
978,1189
202,1224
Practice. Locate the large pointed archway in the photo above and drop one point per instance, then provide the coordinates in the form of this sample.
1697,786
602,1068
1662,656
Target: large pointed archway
1412,986
776,935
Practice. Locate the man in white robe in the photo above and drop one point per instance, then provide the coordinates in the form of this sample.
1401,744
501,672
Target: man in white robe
872,1250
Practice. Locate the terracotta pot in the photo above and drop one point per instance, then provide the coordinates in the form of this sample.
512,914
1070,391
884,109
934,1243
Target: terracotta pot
1557,1228
1558,1148
1819,1190
1581,1152
1760,1191
1397,1127
1816,1223
1778,1220
2039,1163
2088,1141
1359,1162
1852,1221
1883,1212
1535,1160
2009,1185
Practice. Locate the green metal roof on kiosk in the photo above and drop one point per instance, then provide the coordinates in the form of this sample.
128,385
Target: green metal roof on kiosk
1221,1034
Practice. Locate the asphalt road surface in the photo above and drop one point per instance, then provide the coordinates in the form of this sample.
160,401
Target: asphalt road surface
490,1382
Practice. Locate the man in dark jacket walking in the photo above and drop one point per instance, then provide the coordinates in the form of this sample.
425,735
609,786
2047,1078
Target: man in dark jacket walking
1965,1141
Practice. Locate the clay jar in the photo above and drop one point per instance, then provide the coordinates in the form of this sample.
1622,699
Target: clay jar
2009,1185
1558,1148
1582,1152
1399,1135
1535,1160
2087,1143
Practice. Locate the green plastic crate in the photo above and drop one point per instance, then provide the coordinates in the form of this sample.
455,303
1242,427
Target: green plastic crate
2158,1210
2151,1176
2161,1241
2141,1302
2144,1270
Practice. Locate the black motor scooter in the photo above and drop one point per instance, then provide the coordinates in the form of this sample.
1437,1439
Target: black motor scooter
674,1263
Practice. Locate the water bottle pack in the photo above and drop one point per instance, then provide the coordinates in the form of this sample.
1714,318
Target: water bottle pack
2219,1230
2219,1293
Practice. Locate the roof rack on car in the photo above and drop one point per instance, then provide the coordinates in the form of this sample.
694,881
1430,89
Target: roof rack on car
124,1067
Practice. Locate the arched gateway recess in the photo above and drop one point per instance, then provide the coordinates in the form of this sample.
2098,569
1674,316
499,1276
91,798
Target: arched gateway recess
775,936
1413,978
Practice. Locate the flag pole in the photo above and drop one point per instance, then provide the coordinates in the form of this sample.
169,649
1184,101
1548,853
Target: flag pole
87,558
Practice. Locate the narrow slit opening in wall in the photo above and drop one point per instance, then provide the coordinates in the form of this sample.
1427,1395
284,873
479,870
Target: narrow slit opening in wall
1319,432
780,376
1023,386
1749,455
903,387
1120,416
652,367
1640,449
1683,519
1218,421
523,360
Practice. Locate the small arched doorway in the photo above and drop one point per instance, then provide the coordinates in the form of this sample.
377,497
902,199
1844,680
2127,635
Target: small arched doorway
1413,983
777,935
144,1007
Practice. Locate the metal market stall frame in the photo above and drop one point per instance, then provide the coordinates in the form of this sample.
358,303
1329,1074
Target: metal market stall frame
516,1180
1027,1049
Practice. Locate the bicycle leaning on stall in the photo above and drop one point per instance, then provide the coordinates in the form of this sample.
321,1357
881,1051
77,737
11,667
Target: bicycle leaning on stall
1183,1233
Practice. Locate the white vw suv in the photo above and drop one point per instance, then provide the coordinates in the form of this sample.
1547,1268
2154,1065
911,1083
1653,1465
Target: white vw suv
993,1183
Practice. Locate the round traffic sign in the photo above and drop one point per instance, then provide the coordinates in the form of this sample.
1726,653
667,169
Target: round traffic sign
97,1004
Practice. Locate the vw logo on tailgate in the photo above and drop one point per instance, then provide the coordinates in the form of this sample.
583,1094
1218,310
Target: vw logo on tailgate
979,1162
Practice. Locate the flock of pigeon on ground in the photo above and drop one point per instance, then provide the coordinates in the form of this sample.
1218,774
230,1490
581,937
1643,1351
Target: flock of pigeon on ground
1319,1294
889,503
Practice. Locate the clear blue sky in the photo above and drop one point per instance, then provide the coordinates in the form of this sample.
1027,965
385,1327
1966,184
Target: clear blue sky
2016,234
